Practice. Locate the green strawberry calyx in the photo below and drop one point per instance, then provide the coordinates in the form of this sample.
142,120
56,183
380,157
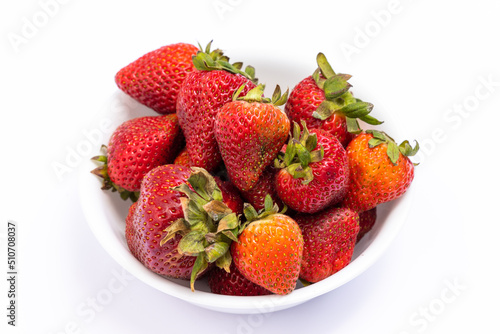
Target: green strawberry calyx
208,226
300,152
107,184
270,208
393,149
206,60
338,98
257,95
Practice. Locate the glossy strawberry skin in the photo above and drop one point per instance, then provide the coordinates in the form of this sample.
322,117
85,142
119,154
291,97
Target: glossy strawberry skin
331,177
182,158
367,220
374,179
264,186
139,145
156,78
233,283
200,98
329,240
249,136
230,195
269,252
156,209
304,99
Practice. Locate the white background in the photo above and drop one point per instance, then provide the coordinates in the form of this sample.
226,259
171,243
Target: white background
423,63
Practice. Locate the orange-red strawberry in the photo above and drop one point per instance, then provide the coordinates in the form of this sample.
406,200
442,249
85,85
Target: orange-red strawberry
329,239
250,131
200,98
367,220
156,78
324,101
314,172
380,170
181,224
269,249
233,283
136,147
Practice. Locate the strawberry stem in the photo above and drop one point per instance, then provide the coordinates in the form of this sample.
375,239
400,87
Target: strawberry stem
208,227
338,98
302,150
215,60
393,150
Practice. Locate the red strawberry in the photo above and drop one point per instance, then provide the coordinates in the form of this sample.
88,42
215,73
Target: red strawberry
182,158
233,283
158,207
324,101
250,131
130,233
156,78
380,170
269,250
264,186
329,239
366,221
232,197
167,236
314,172
200,98
136,147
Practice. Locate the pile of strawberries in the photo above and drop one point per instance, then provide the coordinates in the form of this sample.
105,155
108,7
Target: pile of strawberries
227,184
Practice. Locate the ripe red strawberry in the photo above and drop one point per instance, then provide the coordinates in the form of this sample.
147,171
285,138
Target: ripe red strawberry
232,197
329,239
130,233
158,207
264,186
366,221
314,172
324,101
156,78
250,131
380,170
167,236
269,250
200,98
233,283
182,158
136,147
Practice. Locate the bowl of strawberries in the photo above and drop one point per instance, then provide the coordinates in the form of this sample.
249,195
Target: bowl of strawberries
214,193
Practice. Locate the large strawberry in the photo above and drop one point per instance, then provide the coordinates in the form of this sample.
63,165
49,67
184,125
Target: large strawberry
269,249
158,208
250,131
181,223
329,239
324,101
380,170
233,283
314,172
200,98
156,78
136,147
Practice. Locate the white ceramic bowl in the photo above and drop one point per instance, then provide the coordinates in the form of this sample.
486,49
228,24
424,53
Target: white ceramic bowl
106,212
